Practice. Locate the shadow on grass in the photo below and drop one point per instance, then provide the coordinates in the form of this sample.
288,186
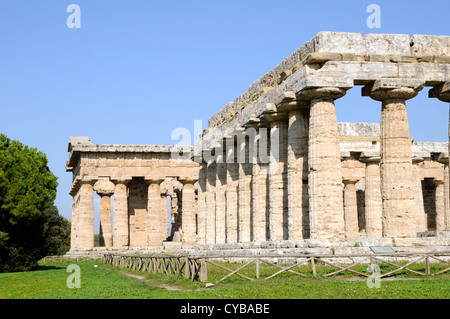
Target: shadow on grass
49,267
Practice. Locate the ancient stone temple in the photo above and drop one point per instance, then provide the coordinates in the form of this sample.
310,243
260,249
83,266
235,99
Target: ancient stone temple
275,165
292,172
140,179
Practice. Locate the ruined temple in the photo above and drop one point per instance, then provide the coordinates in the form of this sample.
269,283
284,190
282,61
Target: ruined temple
274,165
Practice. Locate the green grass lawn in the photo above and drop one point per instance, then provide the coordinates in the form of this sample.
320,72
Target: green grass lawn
106,281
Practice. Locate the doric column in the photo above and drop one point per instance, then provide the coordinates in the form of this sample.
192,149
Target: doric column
278,203
231,210
446,196
397,185
164,218
439,204
260,168
105,188
211,202
154,212
297,174
372,198
120,216
221,181
188,212
85,212
74,222
244,187
421,217
201,205
105,220
350,209
442,92
326,210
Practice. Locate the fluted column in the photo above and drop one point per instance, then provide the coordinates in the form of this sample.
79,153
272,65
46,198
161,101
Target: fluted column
397,185
439,204
297,174
326,210
201,205
211,203
446,196
74,222
260,168
278,203
350,209
221,180
372,198
154,212
85,212
231,210
105,220
105,188
421,217
188,212
442,92
244,188
164,218
120,216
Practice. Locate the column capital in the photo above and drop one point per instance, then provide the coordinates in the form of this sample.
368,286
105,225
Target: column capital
438,181
154,180
274,116
441,91
370,160
104,187
187,180
417,160
329,92
348,181
390,88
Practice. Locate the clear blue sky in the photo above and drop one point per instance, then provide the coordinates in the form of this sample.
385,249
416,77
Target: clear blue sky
136,70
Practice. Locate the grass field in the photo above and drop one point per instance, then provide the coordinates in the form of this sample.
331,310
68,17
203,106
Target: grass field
100,281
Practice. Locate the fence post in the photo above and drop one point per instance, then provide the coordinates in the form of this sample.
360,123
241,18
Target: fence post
257,268
427,265
187,267
313,266
203,270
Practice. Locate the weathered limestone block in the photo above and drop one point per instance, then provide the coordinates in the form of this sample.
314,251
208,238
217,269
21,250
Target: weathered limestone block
297,174
105,220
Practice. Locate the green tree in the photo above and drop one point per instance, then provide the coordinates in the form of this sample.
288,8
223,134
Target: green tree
56,232
27,189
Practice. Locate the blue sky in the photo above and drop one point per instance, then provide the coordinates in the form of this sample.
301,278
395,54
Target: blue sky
136,70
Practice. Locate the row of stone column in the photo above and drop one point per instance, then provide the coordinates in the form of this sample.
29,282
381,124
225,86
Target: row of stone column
298,193
157,220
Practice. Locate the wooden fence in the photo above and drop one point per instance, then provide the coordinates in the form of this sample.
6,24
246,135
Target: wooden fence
196,268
